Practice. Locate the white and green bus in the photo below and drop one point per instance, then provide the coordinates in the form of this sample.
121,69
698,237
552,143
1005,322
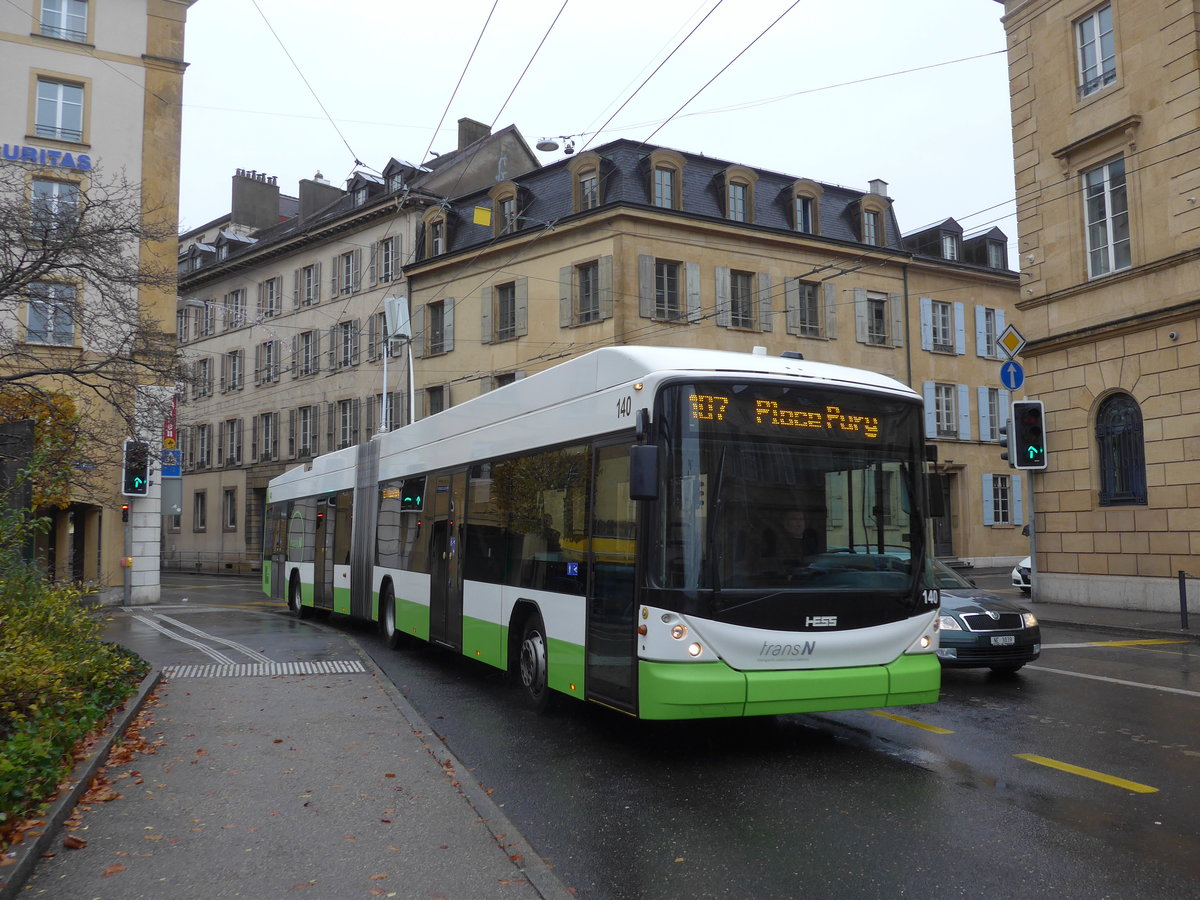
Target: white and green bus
615,529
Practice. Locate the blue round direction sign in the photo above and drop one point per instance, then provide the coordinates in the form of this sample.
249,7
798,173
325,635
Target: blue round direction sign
1012,376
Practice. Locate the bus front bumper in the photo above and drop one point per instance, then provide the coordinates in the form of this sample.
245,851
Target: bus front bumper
714,690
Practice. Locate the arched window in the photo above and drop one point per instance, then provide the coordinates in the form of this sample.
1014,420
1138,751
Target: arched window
1122,451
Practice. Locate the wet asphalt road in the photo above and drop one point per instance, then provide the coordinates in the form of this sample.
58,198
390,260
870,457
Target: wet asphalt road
965,798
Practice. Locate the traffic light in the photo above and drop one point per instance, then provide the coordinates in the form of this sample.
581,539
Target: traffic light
1006,439
135,471
1029,435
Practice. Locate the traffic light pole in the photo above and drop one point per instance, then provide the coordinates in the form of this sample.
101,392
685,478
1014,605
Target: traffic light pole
127,594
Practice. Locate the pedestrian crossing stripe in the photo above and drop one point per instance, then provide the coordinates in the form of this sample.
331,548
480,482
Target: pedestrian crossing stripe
328,667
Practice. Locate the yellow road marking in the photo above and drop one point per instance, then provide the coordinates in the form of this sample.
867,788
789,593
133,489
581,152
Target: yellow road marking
913,722
1145,643
1088,773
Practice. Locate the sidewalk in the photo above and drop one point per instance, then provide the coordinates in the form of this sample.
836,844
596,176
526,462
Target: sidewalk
320,785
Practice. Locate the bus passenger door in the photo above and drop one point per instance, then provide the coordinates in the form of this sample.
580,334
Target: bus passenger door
323,557
611,656
448,496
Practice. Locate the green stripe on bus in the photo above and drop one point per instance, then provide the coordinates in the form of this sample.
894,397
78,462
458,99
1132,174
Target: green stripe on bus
484,641
565,662
708,690
412,618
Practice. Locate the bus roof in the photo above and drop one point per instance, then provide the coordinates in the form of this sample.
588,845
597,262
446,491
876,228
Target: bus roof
581,376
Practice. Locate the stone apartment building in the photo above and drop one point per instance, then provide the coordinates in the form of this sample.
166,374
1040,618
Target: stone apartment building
281,325
93,90
637,244
1105,109
510,271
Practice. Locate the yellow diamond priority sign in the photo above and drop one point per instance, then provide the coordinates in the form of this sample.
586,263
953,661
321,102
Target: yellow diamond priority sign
1011,341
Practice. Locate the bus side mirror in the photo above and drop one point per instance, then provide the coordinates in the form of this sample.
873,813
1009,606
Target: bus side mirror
643,472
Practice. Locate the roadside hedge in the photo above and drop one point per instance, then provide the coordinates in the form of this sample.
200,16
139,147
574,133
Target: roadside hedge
58,678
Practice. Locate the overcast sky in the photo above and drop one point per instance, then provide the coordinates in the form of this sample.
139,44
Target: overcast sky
840,91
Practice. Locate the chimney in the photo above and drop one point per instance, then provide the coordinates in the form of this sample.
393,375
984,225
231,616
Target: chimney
315,194
469,131
255,201
879,186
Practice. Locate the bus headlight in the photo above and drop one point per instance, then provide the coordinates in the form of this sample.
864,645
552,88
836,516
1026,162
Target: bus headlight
695,649
679,632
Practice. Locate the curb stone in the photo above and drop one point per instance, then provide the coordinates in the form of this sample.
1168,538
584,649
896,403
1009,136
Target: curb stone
26,854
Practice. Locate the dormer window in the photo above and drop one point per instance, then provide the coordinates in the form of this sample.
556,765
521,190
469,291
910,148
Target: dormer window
873,222
739,193
806,206
950,246
585,181
996,257
666,179
506,216
395,183
436,231
360,196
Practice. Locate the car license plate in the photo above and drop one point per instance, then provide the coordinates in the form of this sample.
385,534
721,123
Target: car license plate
1003,640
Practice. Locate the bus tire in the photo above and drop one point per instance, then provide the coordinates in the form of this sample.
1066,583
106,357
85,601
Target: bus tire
295,602
392,636
532,665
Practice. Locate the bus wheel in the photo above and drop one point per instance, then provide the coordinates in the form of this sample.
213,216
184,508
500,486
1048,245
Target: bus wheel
392,635
294,601
533,664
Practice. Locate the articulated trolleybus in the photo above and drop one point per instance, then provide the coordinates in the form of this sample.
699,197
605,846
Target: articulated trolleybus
671,533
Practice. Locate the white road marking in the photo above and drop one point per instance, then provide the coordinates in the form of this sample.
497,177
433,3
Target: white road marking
242,648
203,648
1121,681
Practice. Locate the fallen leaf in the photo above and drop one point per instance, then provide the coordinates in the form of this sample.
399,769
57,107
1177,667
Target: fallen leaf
113,870
72,842
378,877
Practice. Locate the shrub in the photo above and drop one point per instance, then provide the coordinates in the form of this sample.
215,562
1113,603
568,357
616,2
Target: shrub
58,678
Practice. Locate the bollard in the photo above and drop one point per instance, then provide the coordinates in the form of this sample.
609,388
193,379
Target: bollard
1183,611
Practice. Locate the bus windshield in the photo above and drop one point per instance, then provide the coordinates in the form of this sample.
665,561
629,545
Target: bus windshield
770,487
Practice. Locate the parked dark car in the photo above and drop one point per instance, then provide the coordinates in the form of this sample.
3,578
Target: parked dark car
979,629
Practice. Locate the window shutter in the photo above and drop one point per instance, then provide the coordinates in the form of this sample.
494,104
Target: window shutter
485,315
930,396
981,331
221,460
254,453
1004,401
295,288
693,291
448,323
356,270
861,317
831,312
237,450
960,329
277,346
372,265
896,307
926,304
724,312
334,287
417,344
791,303
964,413
355,342
646,286
317,282
330,424
521,288
566,294
292,434
989,511
765,311
985,415
261,295
274,448
258,354
606,287
369,415
355,404
373,338
333,348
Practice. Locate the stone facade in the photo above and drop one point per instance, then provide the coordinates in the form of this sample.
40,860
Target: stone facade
1105,113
